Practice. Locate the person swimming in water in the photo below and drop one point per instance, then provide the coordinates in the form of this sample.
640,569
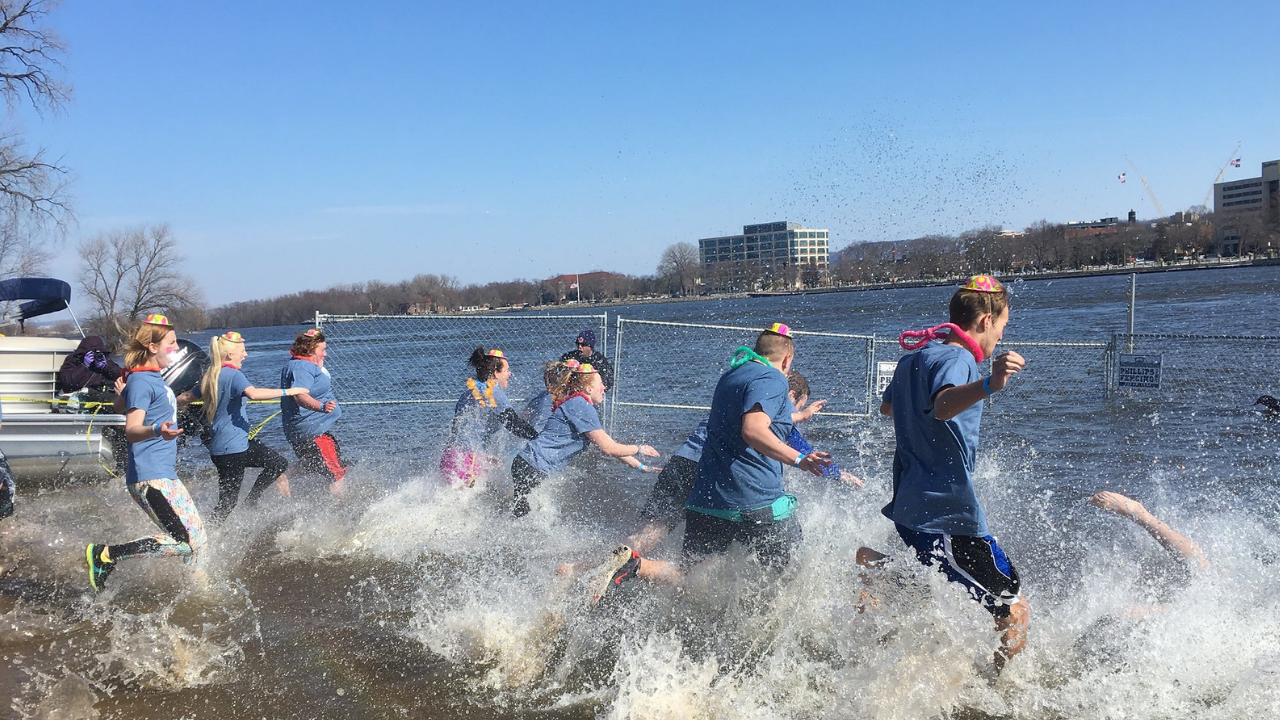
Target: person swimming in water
482,411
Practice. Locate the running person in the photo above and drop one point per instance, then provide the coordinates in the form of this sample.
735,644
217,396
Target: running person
935,400
666,504
309,415
482,411
573,425
554,375
738,493
150,413
224,390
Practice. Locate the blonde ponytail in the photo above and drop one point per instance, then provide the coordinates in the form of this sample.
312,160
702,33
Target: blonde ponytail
209,384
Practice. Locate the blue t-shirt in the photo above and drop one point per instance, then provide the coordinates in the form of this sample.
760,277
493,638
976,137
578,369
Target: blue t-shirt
564,435
301,424
731,474
154,458
230,431
475,424
933,464
539,409
797,442
692,447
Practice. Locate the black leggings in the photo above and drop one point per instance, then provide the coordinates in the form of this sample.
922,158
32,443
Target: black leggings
231,474
525,478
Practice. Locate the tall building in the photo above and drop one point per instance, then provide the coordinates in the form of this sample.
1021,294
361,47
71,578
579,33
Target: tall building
1242,205
780,251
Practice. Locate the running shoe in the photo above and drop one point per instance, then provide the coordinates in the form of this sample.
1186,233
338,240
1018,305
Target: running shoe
99,569
622,564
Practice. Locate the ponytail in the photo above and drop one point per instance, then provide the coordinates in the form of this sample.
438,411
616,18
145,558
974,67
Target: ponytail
209,384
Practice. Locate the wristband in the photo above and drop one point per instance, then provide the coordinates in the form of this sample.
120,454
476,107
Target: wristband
156,429
986,386
642,467
799,457
283,393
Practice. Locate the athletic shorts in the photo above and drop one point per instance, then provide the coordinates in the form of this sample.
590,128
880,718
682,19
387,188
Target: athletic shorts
671,492
977,563
773,542
321,456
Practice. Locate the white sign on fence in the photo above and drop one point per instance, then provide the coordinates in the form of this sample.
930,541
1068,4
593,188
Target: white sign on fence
884,374
1139,371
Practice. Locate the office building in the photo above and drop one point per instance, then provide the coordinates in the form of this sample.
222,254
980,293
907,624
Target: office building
1244,206
780,251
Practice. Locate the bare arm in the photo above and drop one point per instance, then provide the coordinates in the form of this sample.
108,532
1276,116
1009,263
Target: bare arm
611,447
757,432
814,408
135,429
305,400
951,401
1172,540
255,393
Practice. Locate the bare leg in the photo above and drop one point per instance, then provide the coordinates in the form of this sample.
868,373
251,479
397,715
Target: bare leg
1013,633
647,537
282,486
660,571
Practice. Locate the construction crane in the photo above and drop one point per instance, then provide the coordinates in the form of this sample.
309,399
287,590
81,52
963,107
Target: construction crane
1221,170
1146,185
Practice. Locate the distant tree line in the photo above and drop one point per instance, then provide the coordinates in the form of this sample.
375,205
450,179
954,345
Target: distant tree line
129,273
1043,246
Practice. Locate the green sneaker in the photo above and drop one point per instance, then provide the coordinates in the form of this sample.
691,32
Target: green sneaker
99,569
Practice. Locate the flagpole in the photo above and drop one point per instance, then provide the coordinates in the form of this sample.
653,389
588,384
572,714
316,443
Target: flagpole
577,283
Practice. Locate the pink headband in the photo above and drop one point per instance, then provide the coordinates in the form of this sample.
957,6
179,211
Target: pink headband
922,338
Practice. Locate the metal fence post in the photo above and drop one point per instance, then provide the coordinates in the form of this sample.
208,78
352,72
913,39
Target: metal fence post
617,376
871,376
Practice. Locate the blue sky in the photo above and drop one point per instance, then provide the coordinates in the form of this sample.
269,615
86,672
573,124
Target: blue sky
296,145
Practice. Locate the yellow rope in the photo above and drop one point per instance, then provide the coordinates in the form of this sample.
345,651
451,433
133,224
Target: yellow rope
97,406
255,431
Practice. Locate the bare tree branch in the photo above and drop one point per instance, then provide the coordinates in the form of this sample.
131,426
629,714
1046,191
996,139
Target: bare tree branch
129,273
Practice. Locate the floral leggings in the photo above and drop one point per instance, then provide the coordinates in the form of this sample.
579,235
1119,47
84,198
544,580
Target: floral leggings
169,505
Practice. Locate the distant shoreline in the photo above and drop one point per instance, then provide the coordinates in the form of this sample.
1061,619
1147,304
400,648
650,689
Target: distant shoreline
1064,274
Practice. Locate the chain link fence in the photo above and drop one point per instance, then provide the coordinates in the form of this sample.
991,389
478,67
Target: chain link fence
1199,370
676,366
421,360
667,371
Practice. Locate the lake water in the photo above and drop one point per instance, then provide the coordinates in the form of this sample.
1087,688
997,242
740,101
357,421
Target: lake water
406,599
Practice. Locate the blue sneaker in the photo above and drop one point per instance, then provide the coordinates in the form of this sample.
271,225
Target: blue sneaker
99,568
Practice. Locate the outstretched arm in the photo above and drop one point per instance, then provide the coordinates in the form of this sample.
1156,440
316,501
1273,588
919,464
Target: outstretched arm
613,448
1172,540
